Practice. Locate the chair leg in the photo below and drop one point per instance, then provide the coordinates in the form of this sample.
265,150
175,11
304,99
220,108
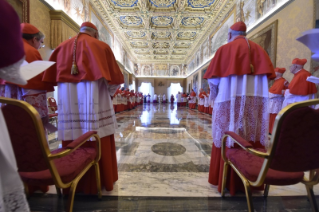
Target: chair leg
225,172
58,191
26,190
248,196
98,180
71,196
312,198
266,191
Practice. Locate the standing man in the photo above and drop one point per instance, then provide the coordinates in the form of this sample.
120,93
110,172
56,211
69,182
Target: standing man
155,98
201,100
239,88
192,100
299,88
160,98
172,99
87,76
164,98
34,92
276,96
178,99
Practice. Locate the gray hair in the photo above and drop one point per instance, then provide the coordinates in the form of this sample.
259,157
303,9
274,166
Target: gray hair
236,33
38,36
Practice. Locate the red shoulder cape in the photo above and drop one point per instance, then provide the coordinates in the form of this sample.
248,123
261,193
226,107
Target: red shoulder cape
233,59
278,86
299,85
193,93
94,59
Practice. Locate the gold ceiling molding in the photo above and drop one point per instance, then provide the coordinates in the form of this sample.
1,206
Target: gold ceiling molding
228,8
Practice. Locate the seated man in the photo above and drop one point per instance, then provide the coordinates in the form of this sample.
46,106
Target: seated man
299,88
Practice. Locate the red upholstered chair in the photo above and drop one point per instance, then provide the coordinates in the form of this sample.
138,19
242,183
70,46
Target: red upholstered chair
293,149
36,164
53,108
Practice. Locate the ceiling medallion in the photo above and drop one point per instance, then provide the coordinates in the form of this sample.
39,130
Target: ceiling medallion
158,45
125,3
141,51
131,20
161,21
161,35
179,52
186,35
160,51
178,57
161,57
135,34
143,57
192,21
162,3
139,44
182,45
200,3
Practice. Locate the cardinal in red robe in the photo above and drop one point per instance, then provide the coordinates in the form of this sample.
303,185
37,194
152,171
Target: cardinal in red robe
87,75
238,80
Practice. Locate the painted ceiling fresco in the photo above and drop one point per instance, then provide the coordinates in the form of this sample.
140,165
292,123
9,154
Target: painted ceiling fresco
157,31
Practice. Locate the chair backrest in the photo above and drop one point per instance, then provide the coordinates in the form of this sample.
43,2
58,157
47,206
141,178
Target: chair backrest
26,131
296,138
52,104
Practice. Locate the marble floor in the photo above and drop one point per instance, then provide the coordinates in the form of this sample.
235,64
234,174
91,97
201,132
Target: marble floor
163,151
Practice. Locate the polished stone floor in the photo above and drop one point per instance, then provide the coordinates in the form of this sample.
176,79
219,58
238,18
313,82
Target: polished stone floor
164,152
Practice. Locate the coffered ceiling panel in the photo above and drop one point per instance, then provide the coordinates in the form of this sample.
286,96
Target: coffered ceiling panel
162,31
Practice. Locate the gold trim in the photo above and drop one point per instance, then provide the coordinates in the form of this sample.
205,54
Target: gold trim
60,15
91,9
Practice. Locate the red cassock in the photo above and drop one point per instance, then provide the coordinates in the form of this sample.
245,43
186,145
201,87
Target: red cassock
184,97
299,84
202,100
192,105
95,60
234,58
276,88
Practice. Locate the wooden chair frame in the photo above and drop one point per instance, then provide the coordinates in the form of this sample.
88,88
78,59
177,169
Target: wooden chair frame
309,182
49,157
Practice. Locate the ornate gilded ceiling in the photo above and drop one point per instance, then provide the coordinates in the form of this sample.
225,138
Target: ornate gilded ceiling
157,31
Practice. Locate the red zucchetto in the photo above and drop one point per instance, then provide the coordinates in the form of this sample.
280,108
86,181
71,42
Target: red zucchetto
298,61
280,70
88,24
29,29
239,26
